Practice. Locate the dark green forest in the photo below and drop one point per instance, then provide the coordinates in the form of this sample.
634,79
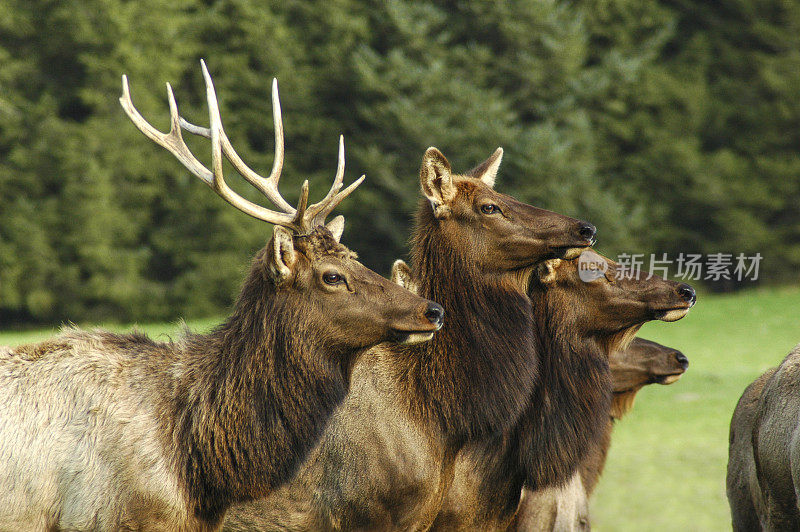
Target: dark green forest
672,125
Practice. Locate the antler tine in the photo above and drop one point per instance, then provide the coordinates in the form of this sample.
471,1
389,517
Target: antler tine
277,120
269,185
319,219
173,142
315,209
320,211
301,218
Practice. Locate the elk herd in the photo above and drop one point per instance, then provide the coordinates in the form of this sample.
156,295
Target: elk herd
475,390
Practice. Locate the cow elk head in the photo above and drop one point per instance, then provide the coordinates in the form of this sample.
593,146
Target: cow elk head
643,362
499,232
605,298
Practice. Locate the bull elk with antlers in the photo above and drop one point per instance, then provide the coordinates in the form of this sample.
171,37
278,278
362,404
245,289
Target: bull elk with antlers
386,458
101,431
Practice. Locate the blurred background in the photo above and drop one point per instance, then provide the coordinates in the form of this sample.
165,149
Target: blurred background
673,125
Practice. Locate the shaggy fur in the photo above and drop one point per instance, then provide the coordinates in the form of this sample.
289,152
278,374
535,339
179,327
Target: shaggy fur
103,431
443,380
578,325
565,508
386,459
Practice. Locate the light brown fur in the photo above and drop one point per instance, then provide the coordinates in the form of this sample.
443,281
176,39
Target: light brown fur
101,431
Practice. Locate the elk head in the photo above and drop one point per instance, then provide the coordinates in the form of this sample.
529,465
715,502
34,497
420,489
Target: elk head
357,307
353,306
497,232
602,299
643,362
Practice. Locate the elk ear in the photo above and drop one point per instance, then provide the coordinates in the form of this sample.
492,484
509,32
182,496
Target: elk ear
436,180
487,170
282,256
401,274
336,227
546,271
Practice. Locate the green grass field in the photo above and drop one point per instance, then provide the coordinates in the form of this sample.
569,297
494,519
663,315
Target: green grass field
666,469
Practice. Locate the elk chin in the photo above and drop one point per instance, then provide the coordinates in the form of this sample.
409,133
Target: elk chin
410,337
416,338
670,379
672,315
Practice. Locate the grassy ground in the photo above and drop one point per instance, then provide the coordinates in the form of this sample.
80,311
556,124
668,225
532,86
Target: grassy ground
666,469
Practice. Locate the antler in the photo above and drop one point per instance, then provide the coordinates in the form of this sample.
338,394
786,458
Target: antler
301,219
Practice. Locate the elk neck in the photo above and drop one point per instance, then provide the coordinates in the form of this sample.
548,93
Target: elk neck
473,377
569,411
253,398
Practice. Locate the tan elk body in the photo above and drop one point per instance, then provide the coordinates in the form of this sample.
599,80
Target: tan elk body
100,431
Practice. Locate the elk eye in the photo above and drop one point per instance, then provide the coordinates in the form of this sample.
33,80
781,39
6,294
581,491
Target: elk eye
332,278
490,208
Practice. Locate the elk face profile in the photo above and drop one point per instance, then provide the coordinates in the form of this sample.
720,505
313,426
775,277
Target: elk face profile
494,230
616,299
645,362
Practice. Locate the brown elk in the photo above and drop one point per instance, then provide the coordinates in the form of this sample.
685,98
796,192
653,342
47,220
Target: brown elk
743,490
764,455
566,508
579,321
386,458
103,431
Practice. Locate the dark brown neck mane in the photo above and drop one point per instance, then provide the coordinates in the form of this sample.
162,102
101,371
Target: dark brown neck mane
568,412
566,417
473,378
257,396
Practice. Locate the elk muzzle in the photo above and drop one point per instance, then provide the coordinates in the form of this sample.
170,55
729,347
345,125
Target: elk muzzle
585,237
687,298
429,319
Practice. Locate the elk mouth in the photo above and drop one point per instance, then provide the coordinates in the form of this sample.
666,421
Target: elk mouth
412,337
667,378
673,314
418,337
570,252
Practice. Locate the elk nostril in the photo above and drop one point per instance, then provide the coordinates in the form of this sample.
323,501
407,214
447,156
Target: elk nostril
435,314
587,231
687,293
681,359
